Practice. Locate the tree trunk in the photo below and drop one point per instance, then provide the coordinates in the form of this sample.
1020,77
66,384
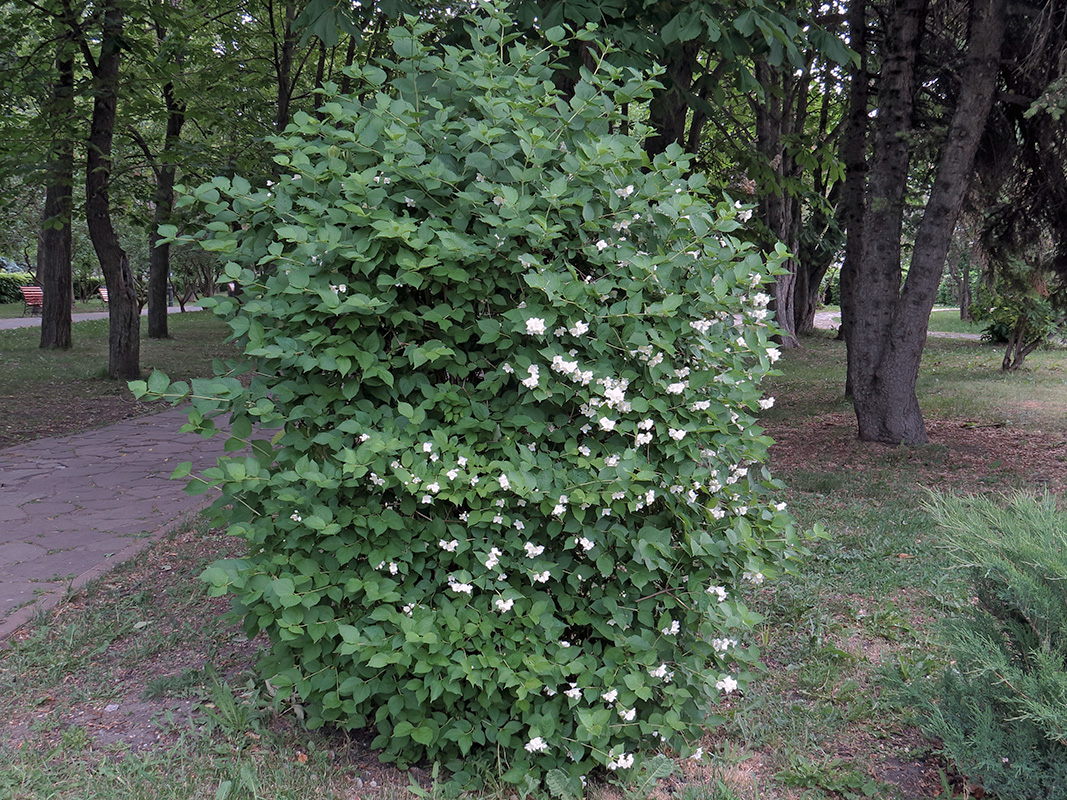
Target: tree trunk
776,120
283,66
123,307
854,158
885,408
159,256
886,343
54,248
668,110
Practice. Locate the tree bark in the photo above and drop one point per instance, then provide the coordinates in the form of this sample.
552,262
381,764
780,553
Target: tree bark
54,247
854,157
777,120
159,255
668,110
123,307
889,328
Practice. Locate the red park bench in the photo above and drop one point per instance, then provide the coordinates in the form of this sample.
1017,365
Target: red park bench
33,299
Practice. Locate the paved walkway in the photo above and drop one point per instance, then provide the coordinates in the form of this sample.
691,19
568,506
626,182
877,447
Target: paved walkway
35,321
72,507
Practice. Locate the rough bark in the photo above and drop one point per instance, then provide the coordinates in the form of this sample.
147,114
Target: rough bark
54,245
889,328
123,307
668,110
284,52
777,119
159,254
854,157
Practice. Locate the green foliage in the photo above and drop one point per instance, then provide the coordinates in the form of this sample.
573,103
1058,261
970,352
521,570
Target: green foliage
1000,707
10,283
515,485
1006,306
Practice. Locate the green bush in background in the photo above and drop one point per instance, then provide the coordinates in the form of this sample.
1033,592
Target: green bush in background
10,283
1001,707
516,483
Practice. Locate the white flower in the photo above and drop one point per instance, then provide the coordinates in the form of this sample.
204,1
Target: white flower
452,474
672,629
505,484
677,388
766,403
519,525
610,696
536,745
409,202
601,245
625,761
564,643
462,461
433,487
779,506
493,559
541,577
427,447
722,645
756,578
585,451
579,328
574,692
448,546
611,461
606,424
697,754
700,405
533,550
503,605
296,517
773,353
558,510
677,434
464,516
720,591
628,714
585,544
535,325
624,193
459,588
426,498
727,684
643,438
659,672
761,299
535,377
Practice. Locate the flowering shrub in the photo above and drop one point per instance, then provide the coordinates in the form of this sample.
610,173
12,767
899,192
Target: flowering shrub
515,484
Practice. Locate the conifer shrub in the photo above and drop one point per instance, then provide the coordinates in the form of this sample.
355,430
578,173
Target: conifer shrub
1000,708
507,482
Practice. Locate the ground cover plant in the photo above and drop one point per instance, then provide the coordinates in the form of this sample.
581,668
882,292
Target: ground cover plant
515,490
51,392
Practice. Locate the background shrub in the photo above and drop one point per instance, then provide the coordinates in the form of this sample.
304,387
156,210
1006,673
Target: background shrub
1001,707
515,485
10,283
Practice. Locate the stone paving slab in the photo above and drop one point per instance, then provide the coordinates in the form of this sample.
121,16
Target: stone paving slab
73,507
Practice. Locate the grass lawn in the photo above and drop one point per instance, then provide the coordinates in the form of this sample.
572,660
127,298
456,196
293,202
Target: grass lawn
50,392
139,687
948,320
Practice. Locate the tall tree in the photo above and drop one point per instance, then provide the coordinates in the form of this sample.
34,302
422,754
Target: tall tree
124,343
54,246
888,327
